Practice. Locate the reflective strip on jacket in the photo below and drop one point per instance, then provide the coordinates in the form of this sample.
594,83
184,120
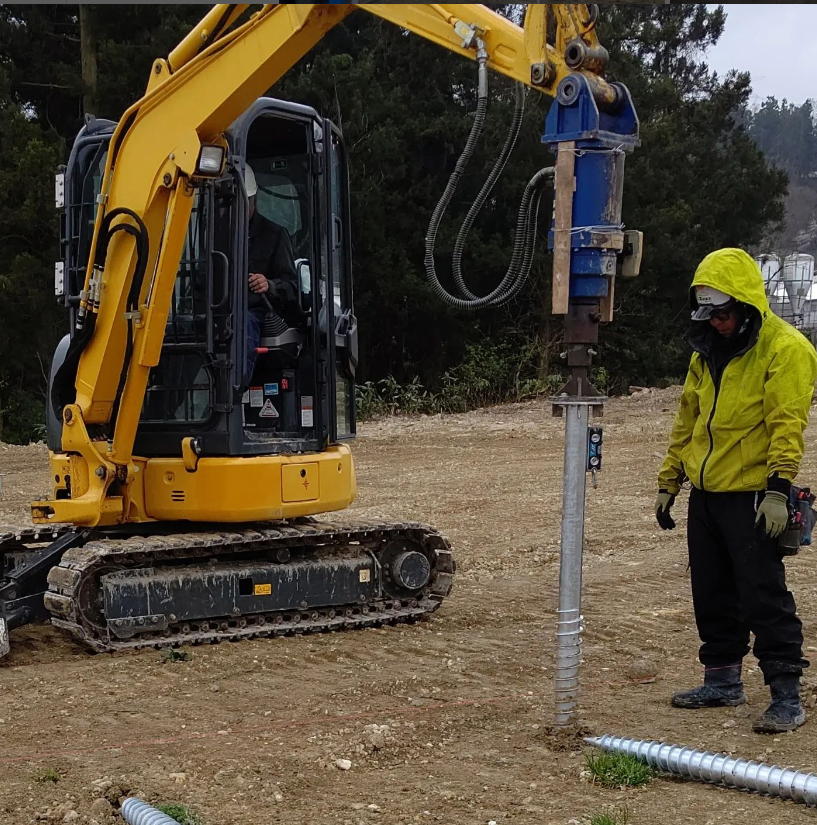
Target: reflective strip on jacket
732,440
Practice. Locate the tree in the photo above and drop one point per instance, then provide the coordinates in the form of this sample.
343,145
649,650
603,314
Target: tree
46,84
683,184
89,57
28,249
405,107
787,134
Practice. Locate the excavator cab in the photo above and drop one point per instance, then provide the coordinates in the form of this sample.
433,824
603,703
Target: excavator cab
298,396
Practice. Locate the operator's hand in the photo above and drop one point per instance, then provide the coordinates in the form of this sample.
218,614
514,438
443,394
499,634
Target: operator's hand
663,504
775,510
258,283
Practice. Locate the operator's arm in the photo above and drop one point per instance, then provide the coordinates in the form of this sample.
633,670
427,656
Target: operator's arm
786,404
671,474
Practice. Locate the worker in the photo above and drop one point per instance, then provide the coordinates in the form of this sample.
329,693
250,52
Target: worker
273,281
738,438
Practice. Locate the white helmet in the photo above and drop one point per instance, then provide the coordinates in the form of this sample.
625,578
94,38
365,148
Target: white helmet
709,300
249,181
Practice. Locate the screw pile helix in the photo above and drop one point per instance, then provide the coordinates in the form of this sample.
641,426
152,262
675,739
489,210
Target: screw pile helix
705,766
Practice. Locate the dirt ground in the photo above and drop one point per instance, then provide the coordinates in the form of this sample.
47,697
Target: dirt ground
444,721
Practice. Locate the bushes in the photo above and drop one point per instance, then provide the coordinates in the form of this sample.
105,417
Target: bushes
490,374
23,417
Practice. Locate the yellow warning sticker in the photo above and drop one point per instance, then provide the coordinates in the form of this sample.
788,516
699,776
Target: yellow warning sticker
263,590
365,575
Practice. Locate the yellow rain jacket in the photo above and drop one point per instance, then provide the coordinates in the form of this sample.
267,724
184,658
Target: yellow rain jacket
732,433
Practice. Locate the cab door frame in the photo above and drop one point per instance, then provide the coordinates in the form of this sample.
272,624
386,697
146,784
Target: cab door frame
343,342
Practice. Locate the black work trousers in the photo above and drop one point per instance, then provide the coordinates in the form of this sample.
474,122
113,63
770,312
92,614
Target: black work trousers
739,586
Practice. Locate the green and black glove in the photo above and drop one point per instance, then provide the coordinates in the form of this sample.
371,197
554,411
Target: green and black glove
774,509
663,504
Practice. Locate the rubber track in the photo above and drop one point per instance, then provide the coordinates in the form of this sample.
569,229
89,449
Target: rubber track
79,565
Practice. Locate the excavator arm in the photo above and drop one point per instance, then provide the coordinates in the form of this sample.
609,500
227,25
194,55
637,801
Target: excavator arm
173,137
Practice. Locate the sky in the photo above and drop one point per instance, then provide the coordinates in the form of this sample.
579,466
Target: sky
771,41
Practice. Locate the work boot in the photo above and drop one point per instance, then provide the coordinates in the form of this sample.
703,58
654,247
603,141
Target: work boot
722,687
786,711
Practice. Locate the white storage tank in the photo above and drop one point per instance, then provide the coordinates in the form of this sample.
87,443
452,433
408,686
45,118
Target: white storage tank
771,270
798,276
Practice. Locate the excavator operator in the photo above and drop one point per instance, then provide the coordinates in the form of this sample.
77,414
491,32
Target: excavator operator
273,280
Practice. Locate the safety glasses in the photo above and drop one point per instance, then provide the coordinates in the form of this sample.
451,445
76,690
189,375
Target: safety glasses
723,314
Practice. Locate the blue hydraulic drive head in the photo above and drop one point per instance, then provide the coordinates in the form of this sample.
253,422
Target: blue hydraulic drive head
599,138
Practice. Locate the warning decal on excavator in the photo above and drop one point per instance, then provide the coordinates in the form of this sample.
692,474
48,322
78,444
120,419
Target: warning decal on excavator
263,589
268,410
307,418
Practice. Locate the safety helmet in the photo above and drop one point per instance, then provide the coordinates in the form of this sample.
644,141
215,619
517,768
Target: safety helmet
710,300
249,181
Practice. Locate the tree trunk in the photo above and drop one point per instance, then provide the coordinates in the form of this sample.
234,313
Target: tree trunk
87,39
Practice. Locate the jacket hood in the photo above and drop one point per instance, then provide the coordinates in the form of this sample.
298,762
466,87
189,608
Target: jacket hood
734,272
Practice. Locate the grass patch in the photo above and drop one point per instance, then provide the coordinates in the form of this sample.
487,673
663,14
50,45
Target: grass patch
45,775
181,813
610,816
170,654
616,770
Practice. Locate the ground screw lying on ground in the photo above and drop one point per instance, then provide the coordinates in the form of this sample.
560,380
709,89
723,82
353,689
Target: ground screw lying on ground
136,812
705,766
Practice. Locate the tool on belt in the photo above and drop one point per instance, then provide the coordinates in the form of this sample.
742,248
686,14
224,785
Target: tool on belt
801,521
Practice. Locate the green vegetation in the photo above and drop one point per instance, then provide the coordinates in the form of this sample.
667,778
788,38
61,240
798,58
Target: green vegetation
616,770
48,774
170,654
181,813
490,374
610,816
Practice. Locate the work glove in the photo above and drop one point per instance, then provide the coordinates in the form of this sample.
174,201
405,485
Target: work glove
663,504
775,510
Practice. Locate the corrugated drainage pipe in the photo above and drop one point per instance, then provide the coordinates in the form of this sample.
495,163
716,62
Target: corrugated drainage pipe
136,812
705,766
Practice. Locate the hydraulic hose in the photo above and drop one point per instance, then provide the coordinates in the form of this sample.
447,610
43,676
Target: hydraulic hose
63,390
453,183
525,235
476,206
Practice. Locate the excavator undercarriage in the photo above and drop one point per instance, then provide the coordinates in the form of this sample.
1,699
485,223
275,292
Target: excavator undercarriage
119,589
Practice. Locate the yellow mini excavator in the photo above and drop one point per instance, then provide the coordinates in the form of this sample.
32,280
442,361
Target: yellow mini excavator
186,467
